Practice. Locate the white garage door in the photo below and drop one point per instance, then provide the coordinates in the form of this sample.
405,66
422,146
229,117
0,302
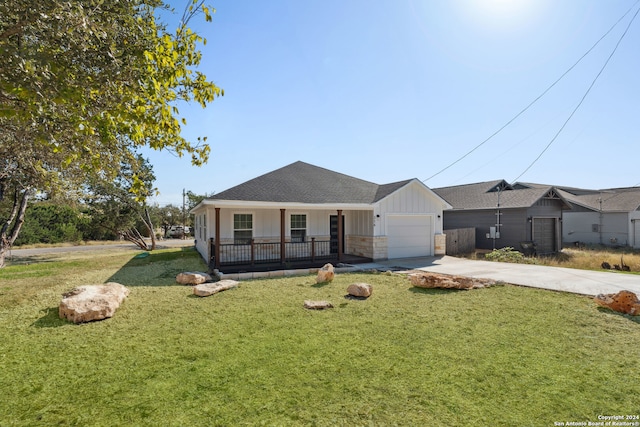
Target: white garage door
409,236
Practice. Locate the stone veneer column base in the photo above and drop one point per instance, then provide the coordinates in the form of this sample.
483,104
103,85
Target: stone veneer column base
440,244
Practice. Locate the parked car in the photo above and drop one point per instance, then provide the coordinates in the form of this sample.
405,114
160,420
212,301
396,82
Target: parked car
177,231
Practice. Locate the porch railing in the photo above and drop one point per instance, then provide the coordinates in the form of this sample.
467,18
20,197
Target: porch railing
266,253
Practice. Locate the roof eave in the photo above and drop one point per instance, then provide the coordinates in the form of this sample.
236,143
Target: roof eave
251,204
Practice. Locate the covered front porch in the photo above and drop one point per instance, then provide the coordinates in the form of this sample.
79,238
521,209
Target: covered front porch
307,238
253,257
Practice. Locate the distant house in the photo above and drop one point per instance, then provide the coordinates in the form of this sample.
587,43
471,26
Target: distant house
506,215
302,213
608,217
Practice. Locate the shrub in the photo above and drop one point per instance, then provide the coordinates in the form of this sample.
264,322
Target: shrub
51,223
506,254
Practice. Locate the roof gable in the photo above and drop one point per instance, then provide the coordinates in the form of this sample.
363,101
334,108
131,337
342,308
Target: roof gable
387,189
490,194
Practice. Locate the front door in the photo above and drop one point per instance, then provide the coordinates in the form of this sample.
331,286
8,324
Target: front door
544,235
333,230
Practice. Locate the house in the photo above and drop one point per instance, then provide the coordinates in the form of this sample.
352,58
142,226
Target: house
305,213
525,217
606,217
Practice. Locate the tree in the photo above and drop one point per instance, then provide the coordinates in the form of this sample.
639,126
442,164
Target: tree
193,199
114,205
48,222
84,85
168,216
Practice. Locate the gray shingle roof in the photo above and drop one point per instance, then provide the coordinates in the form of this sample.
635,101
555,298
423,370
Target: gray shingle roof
620,200
301,182
481,196
624,199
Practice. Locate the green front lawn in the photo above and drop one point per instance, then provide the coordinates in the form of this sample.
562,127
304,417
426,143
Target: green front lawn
502,356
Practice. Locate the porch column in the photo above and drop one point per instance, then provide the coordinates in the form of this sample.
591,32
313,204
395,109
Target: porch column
282,245
217,241
340,236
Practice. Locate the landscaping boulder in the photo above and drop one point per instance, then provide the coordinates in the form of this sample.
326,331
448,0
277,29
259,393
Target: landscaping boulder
92,302
193,278
208,289
325,274
624,302
317,305
447,281
362,290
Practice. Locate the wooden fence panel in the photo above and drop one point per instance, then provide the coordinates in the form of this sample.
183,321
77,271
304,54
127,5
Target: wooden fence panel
460,241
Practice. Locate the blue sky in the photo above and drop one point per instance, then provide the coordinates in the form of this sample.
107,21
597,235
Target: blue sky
391,90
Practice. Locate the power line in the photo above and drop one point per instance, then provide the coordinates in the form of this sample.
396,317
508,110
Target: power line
583,97
538,98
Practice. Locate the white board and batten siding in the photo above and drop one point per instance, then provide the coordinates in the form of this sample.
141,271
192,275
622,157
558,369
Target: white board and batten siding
410,217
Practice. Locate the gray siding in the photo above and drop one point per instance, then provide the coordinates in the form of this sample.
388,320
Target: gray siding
516,225
513,230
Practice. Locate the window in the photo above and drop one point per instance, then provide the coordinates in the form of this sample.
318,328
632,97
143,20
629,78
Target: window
242,229
203,226
298,228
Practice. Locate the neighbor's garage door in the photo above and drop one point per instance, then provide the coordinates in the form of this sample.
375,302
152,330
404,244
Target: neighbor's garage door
544,234
409,236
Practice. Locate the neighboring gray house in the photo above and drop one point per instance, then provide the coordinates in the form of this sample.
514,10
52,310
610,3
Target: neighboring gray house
607,217
506,215
306,213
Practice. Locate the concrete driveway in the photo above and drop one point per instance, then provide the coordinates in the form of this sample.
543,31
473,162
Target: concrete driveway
554,278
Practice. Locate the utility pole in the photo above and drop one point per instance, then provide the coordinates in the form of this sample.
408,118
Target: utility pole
498,221
184,229
600,217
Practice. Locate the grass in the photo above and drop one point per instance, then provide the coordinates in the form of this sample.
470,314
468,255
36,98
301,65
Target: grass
584,258
591,258
254,356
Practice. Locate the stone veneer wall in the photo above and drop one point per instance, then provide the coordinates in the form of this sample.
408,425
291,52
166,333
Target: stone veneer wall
359,246
380,248
367,246
440,244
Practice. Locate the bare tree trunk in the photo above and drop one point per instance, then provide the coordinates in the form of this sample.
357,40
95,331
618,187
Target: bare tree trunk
132,235
9,233
149,225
